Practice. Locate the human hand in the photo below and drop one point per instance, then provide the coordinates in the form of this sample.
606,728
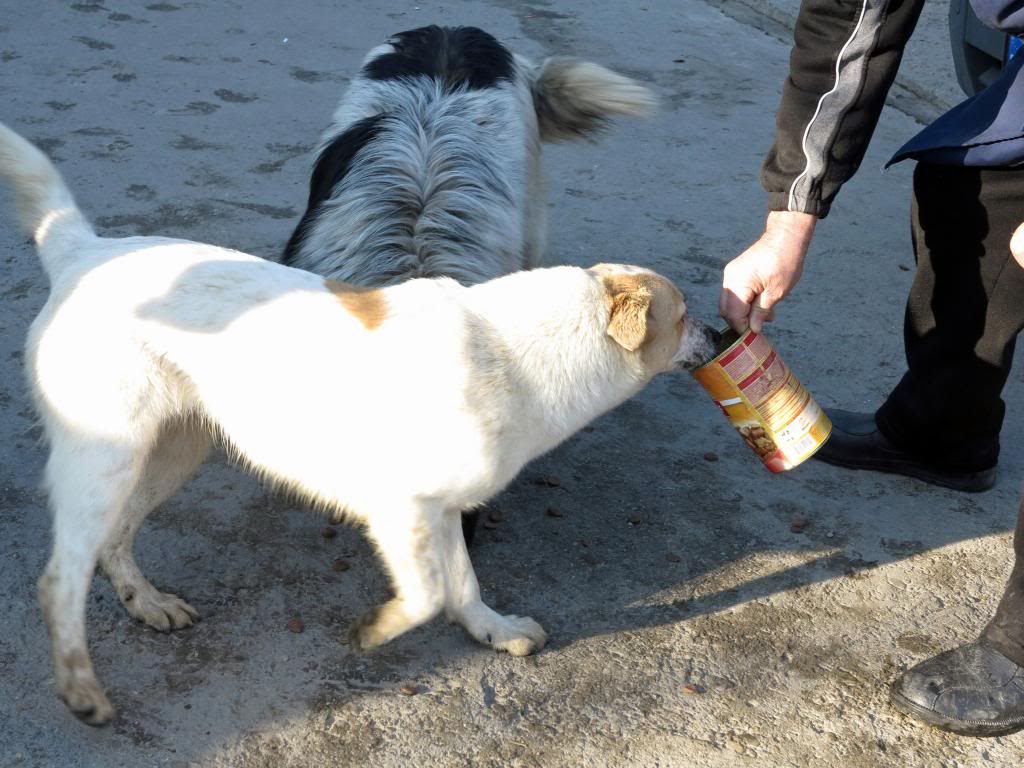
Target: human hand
1017,245
766,272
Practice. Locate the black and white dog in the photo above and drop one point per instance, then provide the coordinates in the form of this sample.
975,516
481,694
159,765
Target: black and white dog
432,166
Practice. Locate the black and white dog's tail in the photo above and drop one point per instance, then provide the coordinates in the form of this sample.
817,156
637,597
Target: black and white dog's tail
575,98
46,209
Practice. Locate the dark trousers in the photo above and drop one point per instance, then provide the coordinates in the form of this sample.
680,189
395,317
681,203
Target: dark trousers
965,310
1006,630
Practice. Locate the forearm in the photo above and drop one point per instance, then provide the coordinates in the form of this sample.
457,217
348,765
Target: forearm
794,228
844,59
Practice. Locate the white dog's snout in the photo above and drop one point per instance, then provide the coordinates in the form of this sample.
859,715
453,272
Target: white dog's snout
697,346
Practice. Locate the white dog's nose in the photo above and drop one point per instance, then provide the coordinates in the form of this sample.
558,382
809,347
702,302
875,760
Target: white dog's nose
697,346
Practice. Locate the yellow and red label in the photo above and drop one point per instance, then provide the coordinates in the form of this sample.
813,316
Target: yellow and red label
773,412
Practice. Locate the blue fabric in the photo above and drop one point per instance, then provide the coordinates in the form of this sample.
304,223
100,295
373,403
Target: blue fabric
988,128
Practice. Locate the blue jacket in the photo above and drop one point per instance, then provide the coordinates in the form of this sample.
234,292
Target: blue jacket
988,128
844,60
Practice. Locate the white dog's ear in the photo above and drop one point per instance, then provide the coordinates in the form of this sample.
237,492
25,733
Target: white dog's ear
630,300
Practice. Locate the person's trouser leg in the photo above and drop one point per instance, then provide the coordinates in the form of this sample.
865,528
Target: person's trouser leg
963,315
975,689
1006,630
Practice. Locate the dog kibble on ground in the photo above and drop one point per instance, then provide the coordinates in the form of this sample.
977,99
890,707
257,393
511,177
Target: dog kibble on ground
554,512
490,524
551,481
495,515
295,625
328,532
340,565
635,520
672,557
798,524
710,456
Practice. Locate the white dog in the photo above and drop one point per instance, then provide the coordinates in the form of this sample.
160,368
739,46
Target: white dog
418,401
432,167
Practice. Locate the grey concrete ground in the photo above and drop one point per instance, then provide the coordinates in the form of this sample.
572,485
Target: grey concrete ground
195,119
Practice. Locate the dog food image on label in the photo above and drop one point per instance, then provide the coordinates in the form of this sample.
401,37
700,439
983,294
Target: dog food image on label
773,412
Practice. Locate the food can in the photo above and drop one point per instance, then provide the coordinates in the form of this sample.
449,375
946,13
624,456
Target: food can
773,412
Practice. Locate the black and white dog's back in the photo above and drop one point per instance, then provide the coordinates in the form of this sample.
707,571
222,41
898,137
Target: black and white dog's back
431,167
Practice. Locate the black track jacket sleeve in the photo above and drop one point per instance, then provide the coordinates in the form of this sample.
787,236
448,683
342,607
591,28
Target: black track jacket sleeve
844,59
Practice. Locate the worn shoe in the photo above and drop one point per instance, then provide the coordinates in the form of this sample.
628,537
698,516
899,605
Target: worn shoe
857,443
972,690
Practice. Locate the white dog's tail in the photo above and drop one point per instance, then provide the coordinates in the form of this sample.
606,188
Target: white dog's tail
574,98
46,209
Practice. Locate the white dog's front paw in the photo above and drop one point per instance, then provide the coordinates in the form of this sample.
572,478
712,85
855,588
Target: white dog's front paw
81,691
518,635
160,610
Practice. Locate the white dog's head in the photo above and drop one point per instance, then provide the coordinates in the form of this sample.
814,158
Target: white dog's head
647,318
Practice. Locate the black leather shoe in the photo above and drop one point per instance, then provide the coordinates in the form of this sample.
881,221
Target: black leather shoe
857,443
972,690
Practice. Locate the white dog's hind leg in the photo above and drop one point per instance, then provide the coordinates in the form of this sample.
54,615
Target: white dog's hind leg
179,451
519,635
90,481
411,543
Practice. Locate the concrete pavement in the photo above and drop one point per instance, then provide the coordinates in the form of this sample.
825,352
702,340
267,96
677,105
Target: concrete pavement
193,118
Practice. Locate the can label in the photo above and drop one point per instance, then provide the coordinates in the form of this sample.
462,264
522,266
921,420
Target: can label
773,412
